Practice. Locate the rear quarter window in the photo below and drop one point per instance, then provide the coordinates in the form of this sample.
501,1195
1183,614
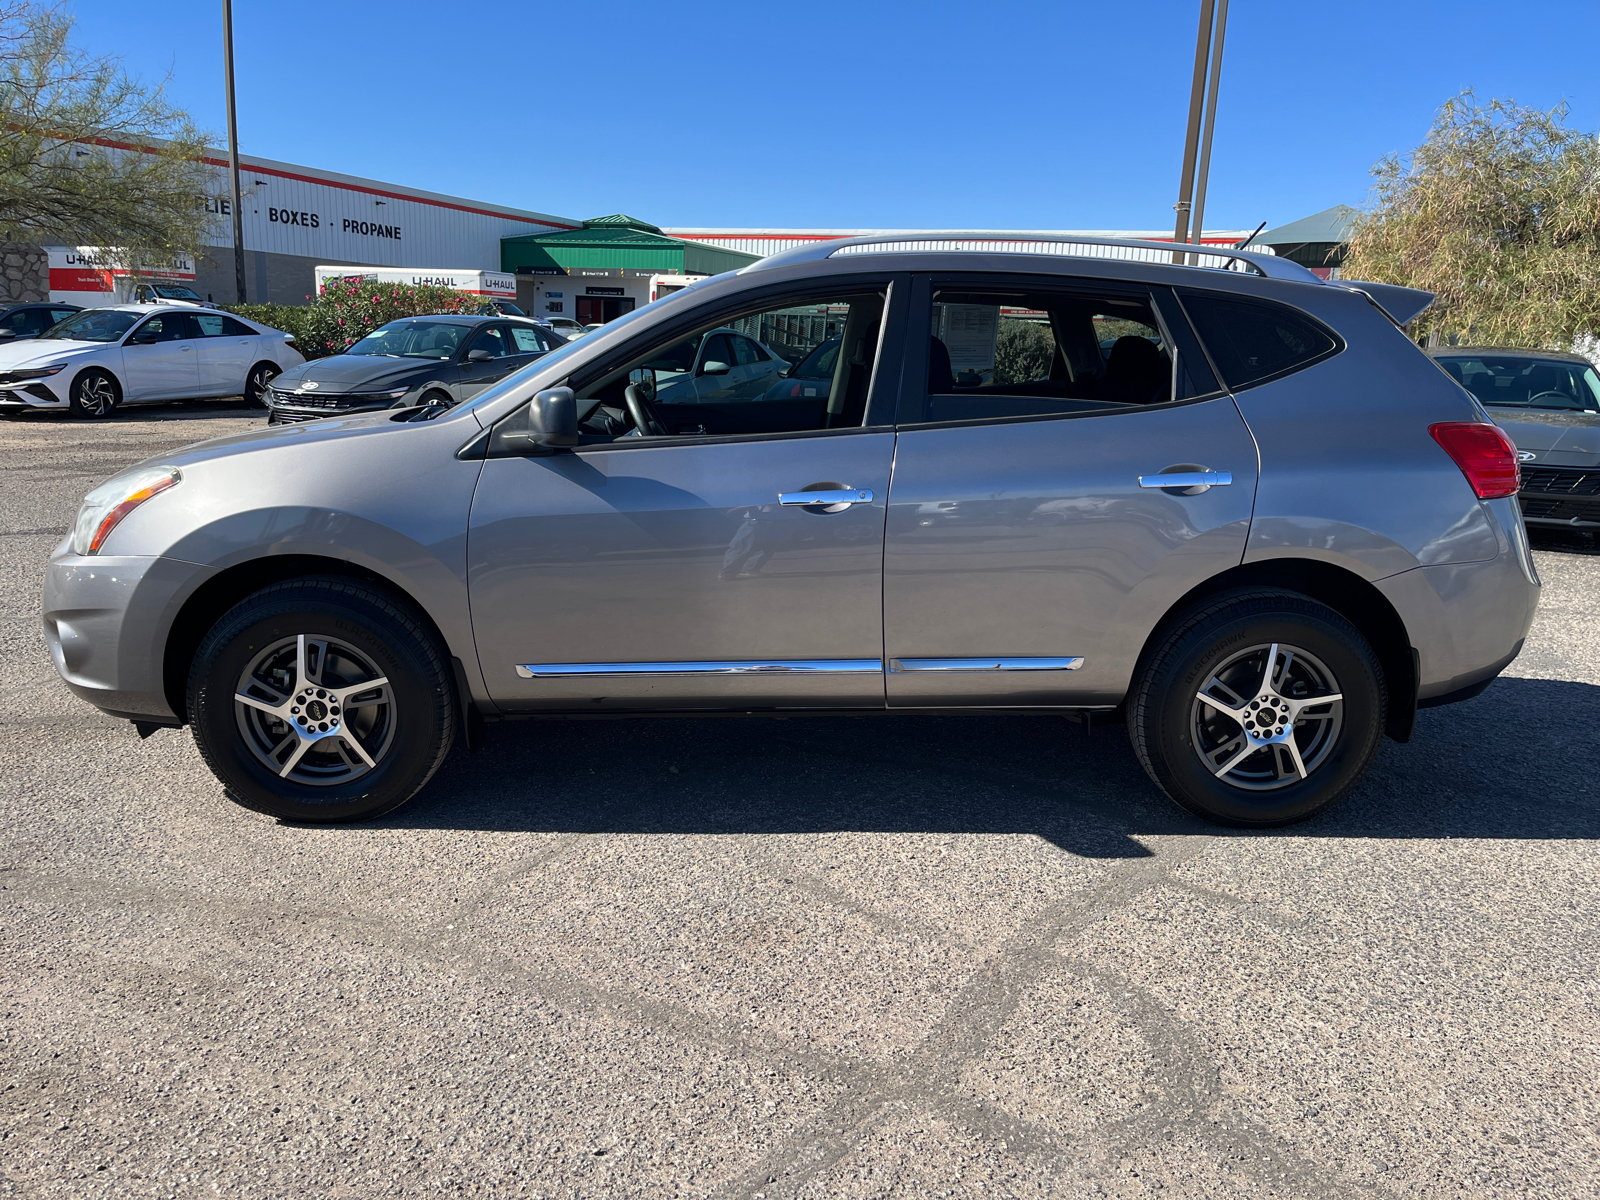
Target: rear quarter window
1254,341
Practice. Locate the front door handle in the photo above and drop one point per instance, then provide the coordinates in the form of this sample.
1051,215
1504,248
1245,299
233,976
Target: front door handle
830,499
1187,479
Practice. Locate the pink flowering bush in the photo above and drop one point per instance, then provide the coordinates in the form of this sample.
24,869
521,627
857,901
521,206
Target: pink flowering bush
348,309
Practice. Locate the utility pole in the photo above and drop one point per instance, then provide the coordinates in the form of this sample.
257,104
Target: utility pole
1197,92
1211,122
233,150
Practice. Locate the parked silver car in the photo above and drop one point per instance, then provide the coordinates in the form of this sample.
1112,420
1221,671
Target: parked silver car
1263,529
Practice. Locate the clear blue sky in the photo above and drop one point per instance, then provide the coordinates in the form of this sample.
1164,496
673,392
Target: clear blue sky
1021,115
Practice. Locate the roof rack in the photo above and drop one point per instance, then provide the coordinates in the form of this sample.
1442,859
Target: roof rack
1214,258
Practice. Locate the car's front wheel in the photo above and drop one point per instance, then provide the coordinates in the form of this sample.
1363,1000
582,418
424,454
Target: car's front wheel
321,699
1258,708
256,383
94,394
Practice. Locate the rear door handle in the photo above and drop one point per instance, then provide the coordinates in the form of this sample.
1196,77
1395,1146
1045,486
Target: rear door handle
843,497
1187,479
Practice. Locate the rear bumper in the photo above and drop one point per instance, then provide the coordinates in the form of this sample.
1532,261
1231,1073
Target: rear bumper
106,621
1468,621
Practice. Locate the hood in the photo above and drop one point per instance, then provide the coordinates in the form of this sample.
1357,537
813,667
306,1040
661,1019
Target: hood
359,373
1559,439
25,353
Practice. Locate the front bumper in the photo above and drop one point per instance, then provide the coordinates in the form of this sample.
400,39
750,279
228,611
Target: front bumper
106,621
1561,497
16,397
288,408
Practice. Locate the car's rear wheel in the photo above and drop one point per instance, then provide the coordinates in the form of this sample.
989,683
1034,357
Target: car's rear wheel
321,699
94,394
256,383
1259,708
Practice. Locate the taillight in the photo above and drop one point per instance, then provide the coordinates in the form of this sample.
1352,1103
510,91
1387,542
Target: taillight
1485,455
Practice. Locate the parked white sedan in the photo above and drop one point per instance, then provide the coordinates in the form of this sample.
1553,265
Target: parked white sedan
102,358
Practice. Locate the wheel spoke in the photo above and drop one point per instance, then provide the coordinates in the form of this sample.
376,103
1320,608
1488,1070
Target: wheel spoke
322,661
1281,675
1270,669
294,758
347,696
1294,756
1299,706
301,678
350,739
1238,758
1237,700
275,710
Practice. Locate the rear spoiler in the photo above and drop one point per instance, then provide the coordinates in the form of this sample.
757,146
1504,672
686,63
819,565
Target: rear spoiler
1402,304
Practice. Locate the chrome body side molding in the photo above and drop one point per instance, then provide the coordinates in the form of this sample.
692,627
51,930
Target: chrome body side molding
897,665
809,666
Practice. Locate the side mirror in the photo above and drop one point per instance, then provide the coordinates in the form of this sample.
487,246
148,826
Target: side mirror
479,356
7,334
145,337
553,418
714,368
644,378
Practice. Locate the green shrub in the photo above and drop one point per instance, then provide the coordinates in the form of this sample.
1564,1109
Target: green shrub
347,310
1023,351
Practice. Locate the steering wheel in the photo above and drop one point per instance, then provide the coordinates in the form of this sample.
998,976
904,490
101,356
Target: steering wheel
642,412
1566,400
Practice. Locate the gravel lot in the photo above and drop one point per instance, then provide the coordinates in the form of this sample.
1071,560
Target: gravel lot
820,957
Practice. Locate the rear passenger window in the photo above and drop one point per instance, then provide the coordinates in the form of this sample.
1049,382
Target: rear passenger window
1252,341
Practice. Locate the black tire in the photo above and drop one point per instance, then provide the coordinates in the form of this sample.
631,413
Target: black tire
409,736
94,395
435,396
1232,634
255,383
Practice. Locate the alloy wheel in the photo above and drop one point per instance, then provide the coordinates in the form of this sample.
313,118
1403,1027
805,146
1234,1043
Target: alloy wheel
97,396
1267,717
314,710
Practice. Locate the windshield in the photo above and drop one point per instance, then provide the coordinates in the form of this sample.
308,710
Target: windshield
412,338
93,325
172,292
1515,381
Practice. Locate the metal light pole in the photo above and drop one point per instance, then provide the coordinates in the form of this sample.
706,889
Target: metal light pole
233,150
1211,121
1197,91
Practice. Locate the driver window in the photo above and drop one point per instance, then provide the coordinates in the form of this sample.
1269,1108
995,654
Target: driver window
492,339
802,366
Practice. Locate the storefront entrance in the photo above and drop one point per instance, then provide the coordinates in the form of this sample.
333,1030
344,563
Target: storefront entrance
596,310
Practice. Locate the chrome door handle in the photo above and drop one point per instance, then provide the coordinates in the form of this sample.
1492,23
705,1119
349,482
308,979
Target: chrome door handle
1187,479
832,496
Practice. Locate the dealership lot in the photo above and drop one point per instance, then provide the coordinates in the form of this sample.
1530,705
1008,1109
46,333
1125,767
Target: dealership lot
804,957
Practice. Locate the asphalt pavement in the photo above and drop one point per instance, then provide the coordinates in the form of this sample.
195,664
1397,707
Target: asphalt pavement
814,957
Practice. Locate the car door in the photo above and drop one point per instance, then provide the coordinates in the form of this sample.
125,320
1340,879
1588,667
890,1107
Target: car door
494,341
159,360
226,349
689,571
1031,546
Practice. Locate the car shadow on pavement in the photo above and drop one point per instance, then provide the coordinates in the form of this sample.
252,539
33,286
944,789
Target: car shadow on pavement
1513,763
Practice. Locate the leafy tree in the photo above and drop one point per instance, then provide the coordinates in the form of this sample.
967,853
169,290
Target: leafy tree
1023,351
89,155
1498,214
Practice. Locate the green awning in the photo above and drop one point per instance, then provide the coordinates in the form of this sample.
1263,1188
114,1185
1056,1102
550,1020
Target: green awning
616,242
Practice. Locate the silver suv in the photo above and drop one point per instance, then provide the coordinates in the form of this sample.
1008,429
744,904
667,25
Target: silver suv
1222,500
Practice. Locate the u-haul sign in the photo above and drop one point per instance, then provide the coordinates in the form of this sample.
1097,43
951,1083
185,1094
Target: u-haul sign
90,275
478,283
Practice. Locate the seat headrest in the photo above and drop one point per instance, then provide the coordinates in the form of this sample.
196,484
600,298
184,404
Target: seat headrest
941,379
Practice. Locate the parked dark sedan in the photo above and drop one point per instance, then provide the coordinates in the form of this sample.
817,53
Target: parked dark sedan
1549,402
30,320
415,361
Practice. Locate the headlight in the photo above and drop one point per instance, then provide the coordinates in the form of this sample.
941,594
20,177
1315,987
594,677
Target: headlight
104,507
33,373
